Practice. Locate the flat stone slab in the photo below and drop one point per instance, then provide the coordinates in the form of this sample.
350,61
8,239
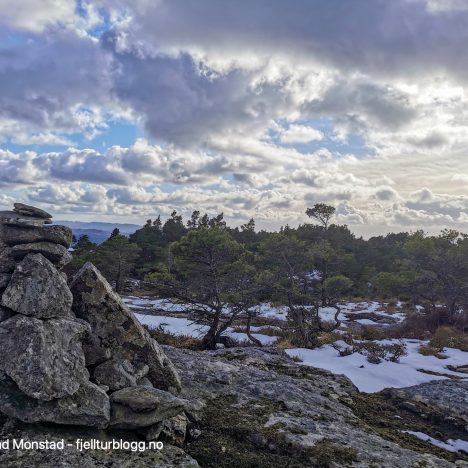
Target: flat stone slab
56,253
136,407
14,235
88,406
16,219
29,210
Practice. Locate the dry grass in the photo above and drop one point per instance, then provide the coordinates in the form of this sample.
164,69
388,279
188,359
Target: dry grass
177,341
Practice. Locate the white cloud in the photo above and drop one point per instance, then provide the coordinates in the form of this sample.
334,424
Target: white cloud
300,134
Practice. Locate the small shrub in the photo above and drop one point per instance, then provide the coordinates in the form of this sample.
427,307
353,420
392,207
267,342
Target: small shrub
376,352
427,350
328,338
449,337
371,333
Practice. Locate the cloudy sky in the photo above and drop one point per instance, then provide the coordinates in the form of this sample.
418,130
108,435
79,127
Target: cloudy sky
116,110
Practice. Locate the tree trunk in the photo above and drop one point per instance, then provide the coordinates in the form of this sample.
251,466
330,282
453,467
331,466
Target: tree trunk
247,330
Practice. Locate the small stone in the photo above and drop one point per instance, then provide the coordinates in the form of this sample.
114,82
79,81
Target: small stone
37,289
116,374
95,353
145,382
57,254
136,407
28,210
139,399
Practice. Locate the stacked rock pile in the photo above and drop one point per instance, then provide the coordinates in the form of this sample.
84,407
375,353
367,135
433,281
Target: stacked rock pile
74,355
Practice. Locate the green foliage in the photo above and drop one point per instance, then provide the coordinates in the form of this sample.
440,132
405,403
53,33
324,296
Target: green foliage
115,258
249,266
322,213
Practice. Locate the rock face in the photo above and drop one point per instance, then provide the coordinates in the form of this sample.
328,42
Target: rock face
37,289
96,369
116,328
449,396
263,409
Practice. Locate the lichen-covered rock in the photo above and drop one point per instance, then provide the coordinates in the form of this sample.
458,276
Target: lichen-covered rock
137,407
27,210
119,373
118,329
276,412
44,358
37,289
88,406
57,254
14,235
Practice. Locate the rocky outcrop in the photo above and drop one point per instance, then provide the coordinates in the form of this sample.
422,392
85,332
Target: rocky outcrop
450,397
42,365
257,407
115,327
98,368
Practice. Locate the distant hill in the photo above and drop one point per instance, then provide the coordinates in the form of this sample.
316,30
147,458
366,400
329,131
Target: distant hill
96,231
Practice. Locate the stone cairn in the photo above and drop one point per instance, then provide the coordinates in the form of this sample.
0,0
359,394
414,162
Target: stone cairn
75,354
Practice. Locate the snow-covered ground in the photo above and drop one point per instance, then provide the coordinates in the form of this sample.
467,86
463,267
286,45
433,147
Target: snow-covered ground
185,327
268,310
451,445
375,377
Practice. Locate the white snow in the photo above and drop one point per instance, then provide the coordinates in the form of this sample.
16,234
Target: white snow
375,377
451,445
182,326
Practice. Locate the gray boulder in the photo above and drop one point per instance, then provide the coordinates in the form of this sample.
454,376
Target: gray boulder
118,329
28,210
37,289
119,373
14,235
136,407
88,406
44,358
57,254
7,261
